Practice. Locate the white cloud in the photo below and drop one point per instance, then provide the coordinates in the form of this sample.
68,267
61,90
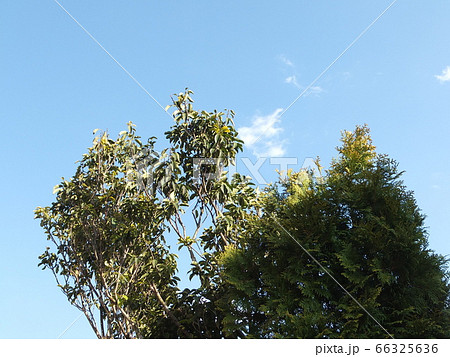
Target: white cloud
263,135
274,149
286,61
316,90
293,79
445,76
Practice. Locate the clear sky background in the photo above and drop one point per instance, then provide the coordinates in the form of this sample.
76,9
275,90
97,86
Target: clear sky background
255,57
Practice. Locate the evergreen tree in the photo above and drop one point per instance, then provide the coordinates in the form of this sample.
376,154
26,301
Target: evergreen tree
357,226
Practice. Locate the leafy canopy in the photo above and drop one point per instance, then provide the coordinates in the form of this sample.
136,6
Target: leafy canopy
110,225
113,223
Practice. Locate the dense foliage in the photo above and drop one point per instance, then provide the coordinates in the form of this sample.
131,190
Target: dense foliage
361,227
344,255
110,224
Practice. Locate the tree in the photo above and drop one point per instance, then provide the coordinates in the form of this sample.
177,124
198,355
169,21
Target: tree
110,224
262,259
110,254
360,224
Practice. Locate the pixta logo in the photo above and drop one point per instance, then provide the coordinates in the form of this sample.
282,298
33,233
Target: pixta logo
151,172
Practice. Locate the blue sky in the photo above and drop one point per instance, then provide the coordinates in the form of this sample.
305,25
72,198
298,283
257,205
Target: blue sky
254,57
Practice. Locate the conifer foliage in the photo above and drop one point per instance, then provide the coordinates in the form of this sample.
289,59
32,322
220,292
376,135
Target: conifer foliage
363,227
